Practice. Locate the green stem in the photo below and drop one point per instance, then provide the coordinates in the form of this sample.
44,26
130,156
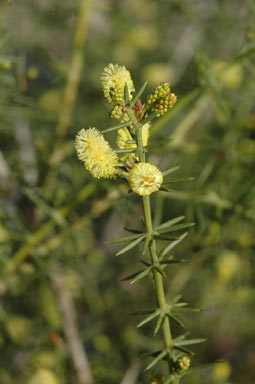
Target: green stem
158,279
159,286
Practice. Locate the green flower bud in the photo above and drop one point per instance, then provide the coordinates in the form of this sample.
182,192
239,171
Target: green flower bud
182,364
116,112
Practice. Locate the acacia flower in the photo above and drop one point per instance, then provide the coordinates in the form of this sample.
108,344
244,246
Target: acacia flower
96,154
145,178
114,78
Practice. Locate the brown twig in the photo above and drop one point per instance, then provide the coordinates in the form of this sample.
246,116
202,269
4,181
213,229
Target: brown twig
68,312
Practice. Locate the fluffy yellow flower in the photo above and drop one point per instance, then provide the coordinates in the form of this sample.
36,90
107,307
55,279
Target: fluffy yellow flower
123,136
113,79
145,178
96,153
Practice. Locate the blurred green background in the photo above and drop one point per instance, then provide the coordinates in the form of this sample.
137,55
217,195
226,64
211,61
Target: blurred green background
55,218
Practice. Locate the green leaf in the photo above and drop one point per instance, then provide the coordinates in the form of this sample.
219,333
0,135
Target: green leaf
176,227
149,118
138,231
123,239
176,299
165,237
164,189
145,262
146,244
170,170
127,150
157,143
141,275
185,350
173,244
169,223
181,337
176,308
198,368
139,94
169,180
130,277
190,342
159,323
156,360
178,321
173,261
149,318
117,127
148,354
126,94
131,245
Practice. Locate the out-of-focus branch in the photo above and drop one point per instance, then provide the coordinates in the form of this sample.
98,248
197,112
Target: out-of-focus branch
68,312
132,373
73,80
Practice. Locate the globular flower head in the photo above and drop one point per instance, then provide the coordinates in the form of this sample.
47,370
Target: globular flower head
96,154
145,178
114,78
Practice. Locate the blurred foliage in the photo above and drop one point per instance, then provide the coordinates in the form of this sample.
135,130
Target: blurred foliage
206,50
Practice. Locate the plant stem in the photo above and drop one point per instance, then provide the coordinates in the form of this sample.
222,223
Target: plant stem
159,286
158,279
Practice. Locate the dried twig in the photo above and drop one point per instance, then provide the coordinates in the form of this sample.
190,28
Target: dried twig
68,312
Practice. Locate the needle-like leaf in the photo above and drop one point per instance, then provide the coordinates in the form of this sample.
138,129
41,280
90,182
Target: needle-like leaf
172,261
198,368
131,245
141,275
176,227
139,94
185,350
117,127
157,359
149,318
159,323
189,342
178,321
169,180
123,239
173,244
170,170
176,308
169,223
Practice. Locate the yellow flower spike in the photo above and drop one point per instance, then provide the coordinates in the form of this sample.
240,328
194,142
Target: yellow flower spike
145,178
96,154
114,78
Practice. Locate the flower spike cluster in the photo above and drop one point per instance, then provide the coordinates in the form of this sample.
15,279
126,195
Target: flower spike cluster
114,79
161,100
